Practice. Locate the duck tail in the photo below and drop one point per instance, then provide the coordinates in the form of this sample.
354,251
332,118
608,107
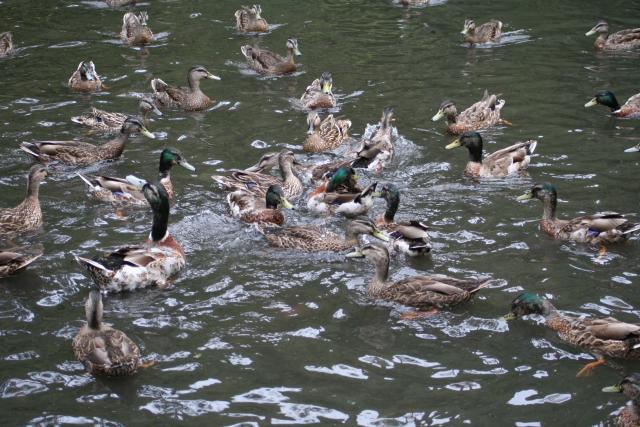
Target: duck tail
632,228
532,146
482,285
91,264
77,119
246,51
30,148
158,85
85,179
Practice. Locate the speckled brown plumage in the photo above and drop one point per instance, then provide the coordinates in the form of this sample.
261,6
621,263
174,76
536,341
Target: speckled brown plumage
268,62
325,135
481,115
485,33
622,40
15,259
135,30
189,98
27,215
249,19
6,44
85,78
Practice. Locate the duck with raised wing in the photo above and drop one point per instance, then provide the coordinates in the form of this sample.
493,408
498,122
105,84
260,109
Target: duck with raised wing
6,44
622,40
268,62
111,122
481,115
247,207
85,78
250,20
187,98
325,135
377,152
27,216
13,260
319,93
489,32
630,387
135,29
630,109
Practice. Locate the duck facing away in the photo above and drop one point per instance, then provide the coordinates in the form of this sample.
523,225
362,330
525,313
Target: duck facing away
136,267
187,98
13,260
247,207
135,29
120,192
27,216
600,336
6,44
622,40
630,109
377,152
507,161
83,153
268,62
105,121
319,93
85,78
250,20
630,386
598,229
489,32
102,349
325,135
423,292
481,115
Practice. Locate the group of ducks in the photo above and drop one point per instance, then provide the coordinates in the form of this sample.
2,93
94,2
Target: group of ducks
255,196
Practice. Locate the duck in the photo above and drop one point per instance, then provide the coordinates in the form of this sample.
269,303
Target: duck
376,152
85,78
312,239
325,135
318,94
414,2
13,260
630,386
249,20
507,161
407,237
267,162
247,207
80,153
340,195
489,32
267,62
622,40
630,109
187,98
120,192
424,292
102,349
6,44
257,183
135,267
119,3
481,115
602,336
598,229
111,122
135,30
27,216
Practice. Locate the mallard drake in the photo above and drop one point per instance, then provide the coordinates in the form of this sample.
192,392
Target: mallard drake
249,20
481,115
247,207
600,336
135,267
377,151
27,215
84,153
102,349
6,44
598,229
188,98
135,29
265,61
630,386
258,183
423,292
15,259
512,159
333,198
622,40
318,94
105,121
120,192
630,109
311,239
119,3
407,237
325,135
85,78
489,32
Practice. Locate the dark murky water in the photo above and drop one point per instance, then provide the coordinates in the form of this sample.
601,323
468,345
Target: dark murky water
250,335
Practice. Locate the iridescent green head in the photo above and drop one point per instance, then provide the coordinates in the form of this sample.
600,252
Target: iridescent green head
171,156
541,191
606,98
526,303
275,198
343,176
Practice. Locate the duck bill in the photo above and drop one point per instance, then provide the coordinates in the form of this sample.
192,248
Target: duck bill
525,196
156,110
134,180
286,204
438,116
454,144
147,133
213,77
310,129
297,52
509,316
591,103
380,235
186,165
355,254
612,389
633,149
326,87
464,32
590,32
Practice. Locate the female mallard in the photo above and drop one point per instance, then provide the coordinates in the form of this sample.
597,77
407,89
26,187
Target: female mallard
407,237
119,3
481,115
630,109
423,292
83,153
622,40
6,44
15,259
135,267
27,215
135,29
265,61
105,121
318,94
325,135
377,151
258,183
489,32
85,78
513,159
120,192
600,336
188,98
598,229
309,239
247,207
104,350
630,386
249,20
